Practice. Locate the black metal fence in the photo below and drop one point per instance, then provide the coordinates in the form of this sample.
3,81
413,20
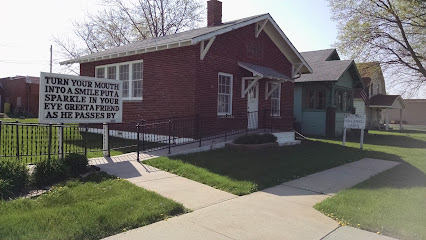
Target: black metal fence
30,143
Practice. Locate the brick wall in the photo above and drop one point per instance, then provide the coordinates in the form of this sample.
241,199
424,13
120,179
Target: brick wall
168,84
177,83
226,51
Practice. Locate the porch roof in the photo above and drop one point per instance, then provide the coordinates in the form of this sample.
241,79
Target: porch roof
387,101
264,72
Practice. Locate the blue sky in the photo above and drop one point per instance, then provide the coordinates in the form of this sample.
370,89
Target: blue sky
27,32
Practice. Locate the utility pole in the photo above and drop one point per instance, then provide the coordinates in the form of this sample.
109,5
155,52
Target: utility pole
50,58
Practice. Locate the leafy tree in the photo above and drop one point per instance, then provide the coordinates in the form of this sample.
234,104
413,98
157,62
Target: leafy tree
392,32
123,21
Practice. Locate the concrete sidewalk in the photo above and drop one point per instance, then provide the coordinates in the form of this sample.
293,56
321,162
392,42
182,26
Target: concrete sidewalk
191,194
281,212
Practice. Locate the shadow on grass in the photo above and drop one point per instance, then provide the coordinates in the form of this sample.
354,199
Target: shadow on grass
400,141
403,176
271,167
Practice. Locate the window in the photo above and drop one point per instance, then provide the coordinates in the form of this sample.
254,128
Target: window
315,98
130,73
137,79
348,102
224,102
124,76
275,101
343,100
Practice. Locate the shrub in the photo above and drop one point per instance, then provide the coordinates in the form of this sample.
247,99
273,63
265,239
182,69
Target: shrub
5,189
48,172
76,164
13,174
256,139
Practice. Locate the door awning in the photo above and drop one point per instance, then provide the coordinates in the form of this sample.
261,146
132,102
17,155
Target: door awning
264,72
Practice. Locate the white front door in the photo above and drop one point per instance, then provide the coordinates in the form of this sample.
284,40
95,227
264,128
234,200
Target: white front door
253,106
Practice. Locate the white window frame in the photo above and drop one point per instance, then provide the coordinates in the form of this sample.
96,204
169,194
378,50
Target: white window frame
279,99
231,93
117,76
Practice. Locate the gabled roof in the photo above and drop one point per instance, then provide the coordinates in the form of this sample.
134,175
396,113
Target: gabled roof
320,55
263,72
386,101
373,71
323,68
193,37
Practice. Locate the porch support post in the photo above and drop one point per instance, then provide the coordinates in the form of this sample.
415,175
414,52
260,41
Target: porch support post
387,119
400,119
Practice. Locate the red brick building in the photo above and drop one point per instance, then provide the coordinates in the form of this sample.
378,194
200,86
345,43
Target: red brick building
22,93
219,71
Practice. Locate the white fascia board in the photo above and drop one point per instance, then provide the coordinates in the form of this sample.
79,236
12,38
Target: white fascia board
135,51
207,36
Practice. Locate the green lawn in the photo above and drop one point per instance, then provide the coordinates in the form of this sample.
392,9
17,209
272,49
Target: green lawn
95,208
394,202
244,172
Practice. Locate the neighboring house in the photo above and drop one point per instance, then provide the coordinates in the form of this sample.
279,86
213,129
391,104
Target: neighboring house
371,98
413,114
218,71
22,93
323,97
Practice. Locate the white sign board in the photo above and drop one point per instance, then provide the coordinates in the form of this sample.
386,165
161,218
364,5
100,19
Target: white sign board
78,99
355,121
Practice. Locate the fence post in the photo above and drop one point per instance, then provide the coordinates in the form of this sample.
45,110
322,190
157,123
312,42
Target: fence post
138,143
199,129
143,135
85,140
61,141
17,140
226,121
49,145
106,140
264,120
1,145
248,119
170,132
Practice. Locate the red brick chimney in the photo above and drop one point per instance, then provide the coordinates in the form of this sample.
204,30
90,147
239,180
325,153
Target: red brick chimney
214,13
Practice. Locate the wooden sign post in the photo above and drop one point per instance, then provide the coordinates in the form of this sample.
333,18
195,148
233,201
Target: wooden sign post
354,121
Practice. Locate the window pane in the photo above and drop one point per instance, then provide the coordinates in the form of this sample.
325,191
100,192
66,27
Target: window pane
125,89
137,89
321,99
100,72
137,71
112,73
124,72
311,99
